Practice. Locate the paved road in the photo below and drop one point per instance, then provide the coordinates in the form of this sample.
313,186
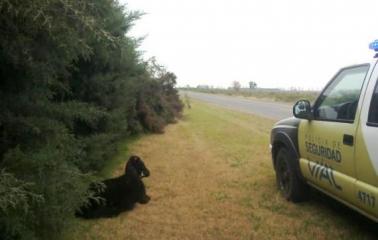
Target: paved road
272,110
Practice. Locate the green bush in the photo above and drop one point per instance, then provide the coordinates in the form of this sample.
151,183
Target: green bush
72,85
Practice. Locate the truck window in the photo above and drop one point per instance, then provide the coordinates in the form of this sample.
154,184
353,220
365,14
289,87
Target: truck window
338,102
373,111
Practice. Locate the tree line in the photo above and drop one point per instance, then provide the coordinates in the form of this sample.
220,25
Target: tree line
72,84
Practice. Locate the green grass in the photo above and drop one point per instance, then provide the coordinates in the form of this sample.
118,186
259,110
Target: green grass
212,178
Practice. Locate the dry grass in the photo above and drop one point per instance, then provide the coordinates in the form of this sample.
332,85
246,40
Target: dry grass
212,178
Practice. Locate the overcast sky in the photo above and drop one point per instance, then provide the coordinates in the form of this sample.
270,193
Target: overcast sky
276,43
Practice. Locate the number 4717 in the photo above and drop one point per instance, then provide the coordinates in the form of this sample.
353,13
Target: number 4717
366,198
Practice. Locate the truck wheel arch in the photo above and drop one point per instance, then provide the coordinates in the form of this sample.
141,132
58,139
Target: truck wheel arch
283,140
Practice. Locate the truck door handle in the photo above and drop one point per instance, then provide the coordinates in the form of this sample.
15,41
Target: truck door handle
348,139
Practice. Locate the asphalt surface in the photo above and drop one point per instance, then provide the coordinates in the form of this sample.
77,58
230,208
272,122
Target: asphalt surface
272,110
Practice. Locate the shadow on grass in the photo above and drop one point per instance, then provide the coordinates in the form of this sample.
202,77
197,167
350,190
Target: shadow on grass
346,215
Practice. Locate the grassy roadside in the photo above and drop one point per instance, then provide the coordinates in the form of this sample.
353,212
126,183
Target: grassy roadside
212,178
279,95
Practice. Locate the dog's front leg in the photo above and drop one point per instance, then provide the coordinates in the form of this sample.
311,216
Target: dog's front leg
142,197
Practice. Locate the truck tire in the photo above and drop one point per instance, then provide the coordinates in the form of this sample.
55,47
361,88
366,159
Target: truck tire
292,187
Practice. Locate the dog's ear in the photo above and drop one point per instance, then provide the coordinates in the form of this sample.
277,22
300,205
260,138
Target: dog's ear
129,163
132,162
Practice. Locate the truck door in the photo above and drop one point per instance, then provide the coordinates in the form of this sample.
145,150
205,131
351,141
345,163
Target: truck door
327,143
366,155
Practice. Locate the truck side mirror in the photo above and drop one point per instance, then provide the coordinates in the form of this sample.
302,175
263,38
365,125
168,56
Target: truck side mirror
302,109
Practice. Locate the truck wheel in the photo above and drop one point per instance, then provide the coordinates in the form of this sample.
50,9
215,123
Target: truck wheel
292,187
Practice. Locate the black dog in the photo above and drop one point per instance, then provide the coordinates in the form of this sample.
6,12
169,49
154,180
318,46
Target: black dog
120,193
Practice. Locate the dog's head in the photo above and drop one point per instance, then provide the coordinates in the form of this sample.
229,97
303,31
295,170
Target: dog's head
137,163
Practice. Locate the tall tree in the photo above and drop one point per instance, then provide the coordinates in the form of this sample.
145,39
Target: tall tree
236,85
252,85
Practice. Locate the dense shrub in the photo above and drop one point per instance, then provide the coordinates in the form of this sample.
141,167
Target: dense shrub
71,85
